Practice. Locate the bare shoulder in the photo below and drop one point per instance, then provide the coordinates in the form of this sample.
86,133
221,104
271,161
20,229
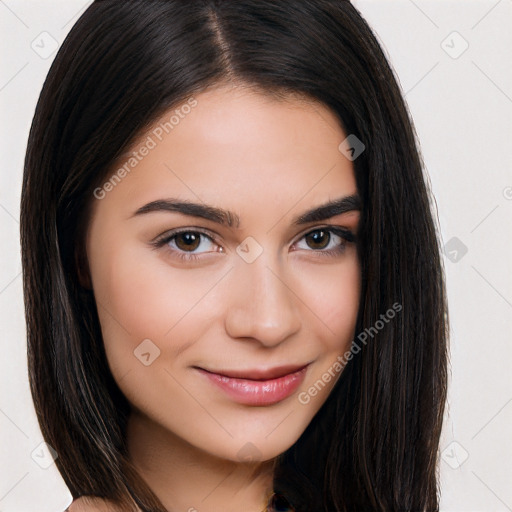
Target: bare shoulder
92,504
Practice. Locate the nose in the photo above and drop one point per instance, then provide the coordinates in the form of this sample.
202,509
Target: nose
262,306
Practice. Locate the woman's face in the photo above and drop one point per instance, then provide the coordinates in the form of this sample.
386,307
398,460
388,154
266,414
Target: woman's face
226,336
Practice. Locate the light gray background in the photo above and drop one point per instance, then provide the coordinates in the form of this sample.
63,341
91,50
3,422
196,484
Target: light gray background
461,103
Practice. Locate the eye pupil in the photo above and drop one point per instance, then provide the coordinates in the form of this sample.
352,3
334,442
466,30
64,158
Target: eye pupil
316,238
191,240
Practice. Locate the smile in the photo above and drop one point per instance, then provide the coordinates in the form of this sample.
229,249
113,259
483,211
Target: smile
255,387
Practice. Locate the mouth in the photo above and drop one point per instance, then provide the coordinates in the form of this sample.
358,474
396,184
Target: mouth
257,387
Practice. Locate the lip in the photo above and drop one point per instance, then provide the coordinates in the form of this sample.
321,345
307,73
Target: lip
258,387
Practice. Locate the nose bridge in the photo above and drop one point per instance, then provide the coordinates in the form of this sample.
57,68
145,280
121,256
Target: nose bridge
262,305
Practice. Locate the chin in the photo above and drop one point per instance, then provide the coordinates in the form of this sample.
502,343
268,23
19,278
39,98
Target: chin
257,446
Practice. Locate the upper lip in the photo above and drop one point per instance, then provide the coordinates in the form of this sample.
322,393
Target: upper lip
258,373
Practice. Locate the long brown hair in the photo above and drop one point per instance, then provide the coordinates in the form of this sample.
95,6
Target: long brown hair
374,444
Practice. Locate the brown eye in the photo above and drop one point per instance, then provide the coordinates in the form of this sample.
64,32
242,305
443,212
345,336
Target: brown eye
187,244
318,239
330,241
187,240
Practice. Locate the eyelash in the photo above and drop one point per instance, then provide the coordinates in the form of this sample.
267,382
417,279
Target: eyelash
346,235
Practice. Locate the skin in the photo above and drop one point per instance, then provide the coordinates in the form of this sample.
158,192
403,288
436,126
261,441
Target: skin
268,160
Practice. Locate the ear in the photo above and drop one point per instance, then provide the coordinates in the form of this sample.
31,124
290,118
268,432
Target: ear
82,267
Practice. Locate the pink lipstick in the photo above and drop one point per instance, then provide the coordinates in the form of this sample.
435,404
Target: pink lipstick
258,387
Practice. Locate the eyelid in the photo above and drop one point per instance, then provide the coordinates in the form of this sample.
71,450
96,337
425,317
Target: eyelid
345,233
165,237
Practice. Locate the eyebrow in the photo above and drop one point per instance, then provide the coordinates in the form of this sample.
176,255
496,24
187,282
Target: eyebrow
231,219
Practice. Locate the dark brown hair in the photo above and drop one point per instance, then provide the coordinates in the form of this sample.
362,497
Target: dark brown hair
374,444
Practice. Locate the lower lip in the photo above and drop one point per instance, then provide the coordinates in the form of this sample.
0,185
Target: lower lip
258,392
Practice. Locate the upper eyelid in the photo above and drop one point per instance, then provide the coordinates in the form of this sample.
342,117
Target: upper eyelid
192,229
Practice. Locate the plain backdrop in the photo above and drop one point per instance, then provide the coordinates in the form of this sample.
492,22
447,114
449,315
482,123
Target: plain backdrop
452,59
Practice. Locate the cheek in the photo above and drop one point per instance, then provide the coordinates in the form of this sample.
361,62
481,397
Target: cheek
139,297
335,300
332,294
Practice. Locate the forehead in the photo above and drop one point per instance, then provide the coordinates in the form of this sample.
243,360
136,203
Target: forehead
236,145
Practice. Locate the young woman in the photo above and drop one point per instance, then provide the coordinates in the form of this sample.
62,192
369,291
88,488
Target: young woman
234,293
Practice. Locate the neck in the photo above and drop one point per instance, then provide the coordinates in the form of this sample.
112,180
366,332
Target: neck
186,478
